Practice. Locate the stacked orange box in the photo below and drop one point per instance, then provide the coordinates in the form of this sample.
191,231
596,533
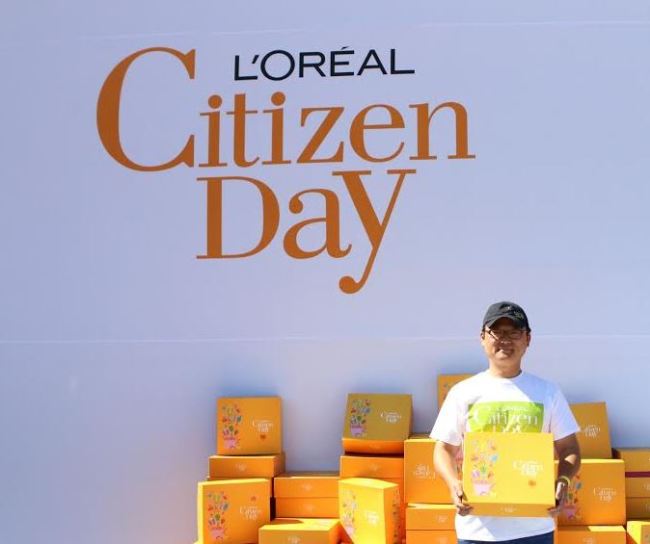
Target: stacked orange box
369,511
593,436
429,515
637,481
638,532
235,502
232,511
446,382
306,495
375,428
596,495
301,531
591,534
430,524
421,483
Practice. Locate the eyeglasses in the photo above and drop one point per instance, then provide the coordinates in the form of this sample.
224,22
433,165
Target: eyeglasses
512,334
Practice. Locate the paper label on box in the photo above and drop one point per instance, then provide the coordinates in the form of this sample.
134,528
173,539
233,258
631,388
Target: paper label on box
513,416
372,517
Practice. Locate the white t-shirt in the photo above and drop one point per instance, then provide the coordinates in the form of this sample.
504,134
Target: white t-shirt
487,403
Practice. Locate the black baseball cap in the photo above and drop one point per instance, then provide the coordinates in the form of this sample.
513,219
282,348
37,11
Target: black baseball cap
512,311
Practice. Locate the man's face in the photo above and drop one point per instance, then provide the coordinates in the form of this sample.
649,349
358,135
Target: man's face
504,343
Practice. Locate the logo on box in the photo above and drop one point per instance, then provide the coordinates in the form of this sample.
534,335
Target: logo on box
391,417
293,540
589,540
605,494
442,519
592,430
528,468
251,512
241,467
423,472
307,487
372,517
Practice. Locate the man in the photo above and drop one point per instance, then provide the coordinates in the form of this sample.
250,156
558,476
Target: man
504,398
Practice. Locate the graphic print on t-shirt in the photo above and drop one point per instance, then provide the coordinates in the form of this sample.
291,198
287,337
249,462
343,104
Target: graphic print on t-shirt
507,417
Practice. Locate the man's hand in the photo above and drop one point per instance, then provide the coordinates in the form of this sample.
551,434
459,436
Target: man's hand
458,498
561,490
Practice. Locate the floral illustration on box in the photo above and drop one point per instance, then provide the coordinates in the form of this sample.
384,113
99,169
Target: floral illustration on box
571,508
216,514
230,423
349,508
358,416
483,459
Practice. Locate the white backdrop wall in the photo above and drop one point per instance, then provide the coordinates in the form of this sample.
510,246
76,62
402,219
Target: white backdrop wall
115,340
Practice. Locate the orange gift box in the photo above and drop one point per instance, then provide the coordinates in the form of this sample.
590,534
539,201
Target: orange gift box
249,425
306,484
232,511
245,466
637,487
638,532
369,511
371,466
446,382
300,531
596,494
377,423
430,517
421,483
638,507
306,507
431,537
591,534
509,474
593,436
636,459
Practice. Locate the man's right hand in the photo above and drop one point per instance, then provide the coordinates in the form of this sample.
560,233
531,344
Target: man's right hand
458,498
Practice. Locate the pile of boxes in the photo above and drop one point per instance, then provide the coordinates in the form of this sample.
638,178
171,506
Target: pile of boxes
387,491
371,490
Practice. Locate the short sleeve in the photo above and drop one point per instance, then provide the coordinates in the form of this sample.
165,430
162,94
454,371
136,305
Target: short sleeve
448,426
563,423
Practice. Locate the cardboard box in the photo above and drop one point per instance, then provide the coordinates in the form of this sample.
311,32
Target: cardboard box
300,531
638,532
446,382
369,511
245,466
509,474
637,487
232,511
596,495
371,466
591,534
421,483
431,537
430,517
593,437
638,508
307,507
306,484
636,459
249,425
377,423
